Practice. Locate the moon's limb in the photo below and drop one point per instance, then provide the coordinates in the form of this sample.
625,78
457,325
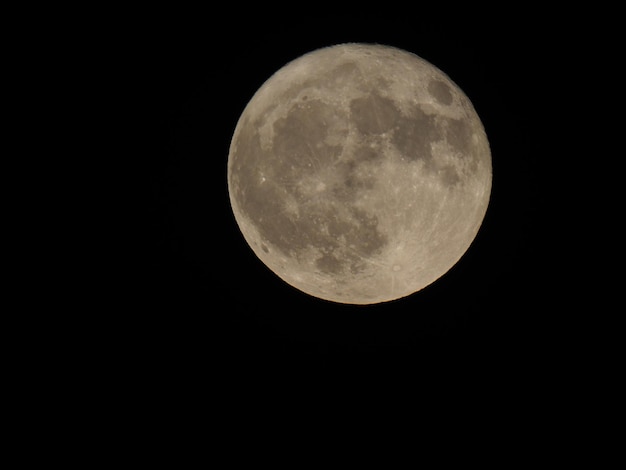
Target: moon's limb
359,173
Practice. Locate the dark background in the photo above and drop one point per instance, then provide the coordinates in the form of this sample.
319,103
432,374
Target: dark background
201,300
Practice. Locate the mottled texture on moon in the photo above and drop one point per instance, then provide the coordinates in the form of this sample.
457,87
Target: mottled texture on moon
359,173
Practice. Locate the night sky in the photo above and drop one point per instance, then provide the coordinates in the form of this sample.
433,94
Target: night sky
205,302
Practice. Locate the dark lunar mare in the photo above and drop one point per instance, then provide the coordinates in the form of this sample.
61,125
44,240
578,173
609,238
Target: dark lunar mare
331,224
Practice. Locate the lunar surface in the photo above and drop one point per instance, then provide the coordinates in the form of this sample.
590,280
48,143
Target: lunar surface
359,173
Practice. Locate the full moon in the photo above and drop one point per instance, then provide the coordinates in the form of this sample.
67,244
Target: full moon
359,173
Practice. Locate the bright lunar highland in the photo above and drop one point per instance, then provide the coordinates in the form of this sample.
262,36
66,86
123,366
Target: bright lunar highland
359,173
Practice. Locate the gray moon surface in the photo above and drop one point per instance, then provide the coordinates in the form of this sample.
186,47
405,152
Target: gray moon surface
359,173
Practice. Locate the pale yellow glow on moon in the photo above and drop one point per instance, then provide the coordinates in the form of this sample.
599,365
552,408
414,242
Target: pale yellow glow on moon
359,173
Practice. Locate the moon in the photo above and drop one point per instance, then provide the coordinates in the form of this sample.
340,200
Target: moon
359,173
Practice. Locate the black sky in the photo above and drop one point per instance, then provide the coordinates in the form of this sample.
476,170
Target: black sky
206,299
